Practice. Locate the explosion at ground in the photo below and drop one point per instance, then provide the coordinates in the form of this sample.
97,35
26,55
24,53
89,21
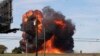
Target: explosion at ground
58,31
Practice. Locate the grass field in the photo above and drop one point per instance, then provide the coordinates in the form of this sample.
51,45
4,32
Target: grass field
50,55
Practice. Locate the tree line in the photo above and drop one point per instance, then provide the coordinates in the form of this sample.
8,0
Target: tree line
16,50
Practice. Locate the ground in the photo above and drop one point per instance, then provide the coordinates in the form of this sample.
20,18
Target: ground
85,54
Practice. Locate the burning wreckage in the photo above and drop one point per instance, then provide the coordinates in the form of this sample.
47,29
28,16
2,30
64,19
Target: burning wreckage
48,24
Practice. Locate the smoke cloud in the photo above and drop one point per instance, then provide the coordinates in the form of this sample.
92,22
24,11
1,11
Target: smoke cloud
55,25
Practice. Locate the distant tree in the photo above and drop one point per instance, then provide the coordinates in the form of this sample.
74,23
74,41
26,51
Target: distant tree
17,50
2,49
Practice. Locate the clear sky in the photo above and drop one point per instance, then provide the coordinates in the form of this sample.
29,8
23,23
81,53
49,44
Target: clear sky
85,14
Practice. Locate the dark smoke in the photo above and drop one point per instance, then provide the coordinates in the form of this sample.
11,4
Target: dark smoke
63,35
63,40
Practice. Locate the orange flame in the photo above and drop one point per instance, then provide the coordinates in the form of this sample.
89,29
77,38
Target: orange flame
39,17
49,48
36,14
60,23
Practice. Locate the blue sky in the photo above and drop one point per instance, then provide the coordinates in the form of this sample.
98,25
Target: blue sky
85,15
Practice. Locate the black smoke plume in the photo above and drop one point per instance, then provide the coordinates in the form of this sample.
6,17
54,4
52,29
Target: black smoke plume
63,33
